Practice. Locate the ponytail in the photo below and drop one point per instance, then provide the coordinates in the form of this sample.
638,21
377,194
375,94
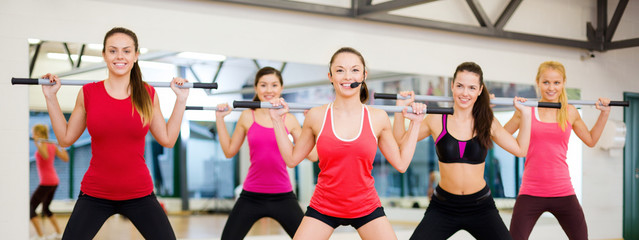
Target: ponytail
140,96
363,93
483,116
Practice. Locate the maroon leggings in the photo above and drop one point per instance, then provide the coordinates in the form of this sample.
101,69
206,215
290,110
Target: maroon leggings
566,209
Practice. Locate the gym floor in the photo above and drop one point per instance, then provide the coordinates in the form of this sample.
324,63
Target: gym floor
209,227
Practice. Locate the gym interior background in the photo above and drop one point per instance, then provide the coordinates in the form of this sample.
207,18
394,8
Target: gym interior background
207,40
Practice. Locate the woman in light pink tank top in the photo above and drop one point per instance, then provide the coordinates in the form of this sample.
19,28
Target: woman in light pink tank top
267,190
546,182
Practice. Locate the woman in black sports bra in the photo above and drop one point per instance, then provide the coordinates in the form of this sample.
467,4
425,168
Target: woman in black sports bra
462,200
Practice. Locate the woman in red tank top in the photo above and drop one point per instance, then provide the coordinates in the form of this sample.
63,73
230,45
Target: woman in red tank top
546,184
346,134
118,112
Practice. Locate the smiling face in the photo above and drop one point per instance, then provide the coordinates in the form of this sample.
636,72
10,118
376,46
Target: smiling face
268,87
120,54
551,84
346,68
466,87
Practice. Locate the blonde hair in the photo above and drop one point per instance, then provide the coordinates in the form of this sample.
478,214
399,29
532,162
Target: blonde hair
562,114
42,130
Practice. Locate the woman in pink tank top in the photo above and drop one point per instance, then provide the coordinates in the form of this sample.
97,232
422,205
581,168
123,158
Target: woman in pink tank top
346,134
118,112
45,155
267,190
546,182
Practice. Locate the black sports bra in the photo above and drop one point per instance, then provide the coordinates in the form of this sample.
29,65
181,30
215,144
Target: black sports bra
451,150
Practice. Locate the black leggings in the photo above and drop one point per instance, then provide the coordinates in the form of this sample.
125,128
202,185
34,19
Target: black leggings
44,195
251,206
448,213
566,209
90,213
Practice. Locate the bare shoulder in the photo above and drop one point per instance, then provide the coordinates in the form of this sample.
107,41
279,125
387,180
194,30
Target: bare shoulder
432,119
315,115
377,113
246,118
573,113
291,121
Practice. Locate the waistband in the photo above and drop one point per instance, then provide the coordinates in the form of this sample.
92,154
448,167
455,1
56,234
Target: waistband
443,195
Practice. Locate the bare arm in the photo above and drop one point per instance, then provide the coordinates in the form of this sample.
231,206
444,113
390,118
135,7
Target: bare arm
399,130
590,138
293,155
503,138
296,131
43,148
62,154
67,133
513,124
166,133
230,145
399,155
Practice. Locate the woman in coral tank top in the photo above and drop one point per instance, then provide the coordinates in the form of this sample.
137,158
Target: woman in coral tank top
45,155
546,182
267,190
118,113
347,134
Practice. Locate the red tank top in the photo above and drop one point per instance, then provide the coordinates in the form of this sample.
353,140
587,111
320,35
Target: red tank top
546,172
46,170
345,187
117,170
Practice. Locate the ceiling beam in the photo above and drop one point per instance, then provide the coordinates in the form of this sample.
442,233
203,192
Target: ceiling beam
367,9
460,28
616,18
623,44
597,39
295,6
480,14
507,13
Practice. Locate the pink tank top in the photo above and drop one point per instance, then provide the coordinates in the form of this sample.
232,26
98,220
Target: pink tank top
545,170
345,187
267,173
46,171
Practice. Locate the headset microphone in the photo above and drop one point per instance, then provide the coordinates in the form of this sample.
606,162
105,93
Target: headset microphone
355,84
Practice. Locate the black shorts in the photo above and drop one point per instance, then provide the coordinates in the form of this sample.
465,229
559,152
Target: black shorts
334,222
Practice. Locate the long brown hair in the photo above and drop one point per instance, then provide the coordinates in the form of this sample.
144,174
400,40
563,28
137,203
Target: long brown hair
263,72
139,95
363,94
482,112
562,114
